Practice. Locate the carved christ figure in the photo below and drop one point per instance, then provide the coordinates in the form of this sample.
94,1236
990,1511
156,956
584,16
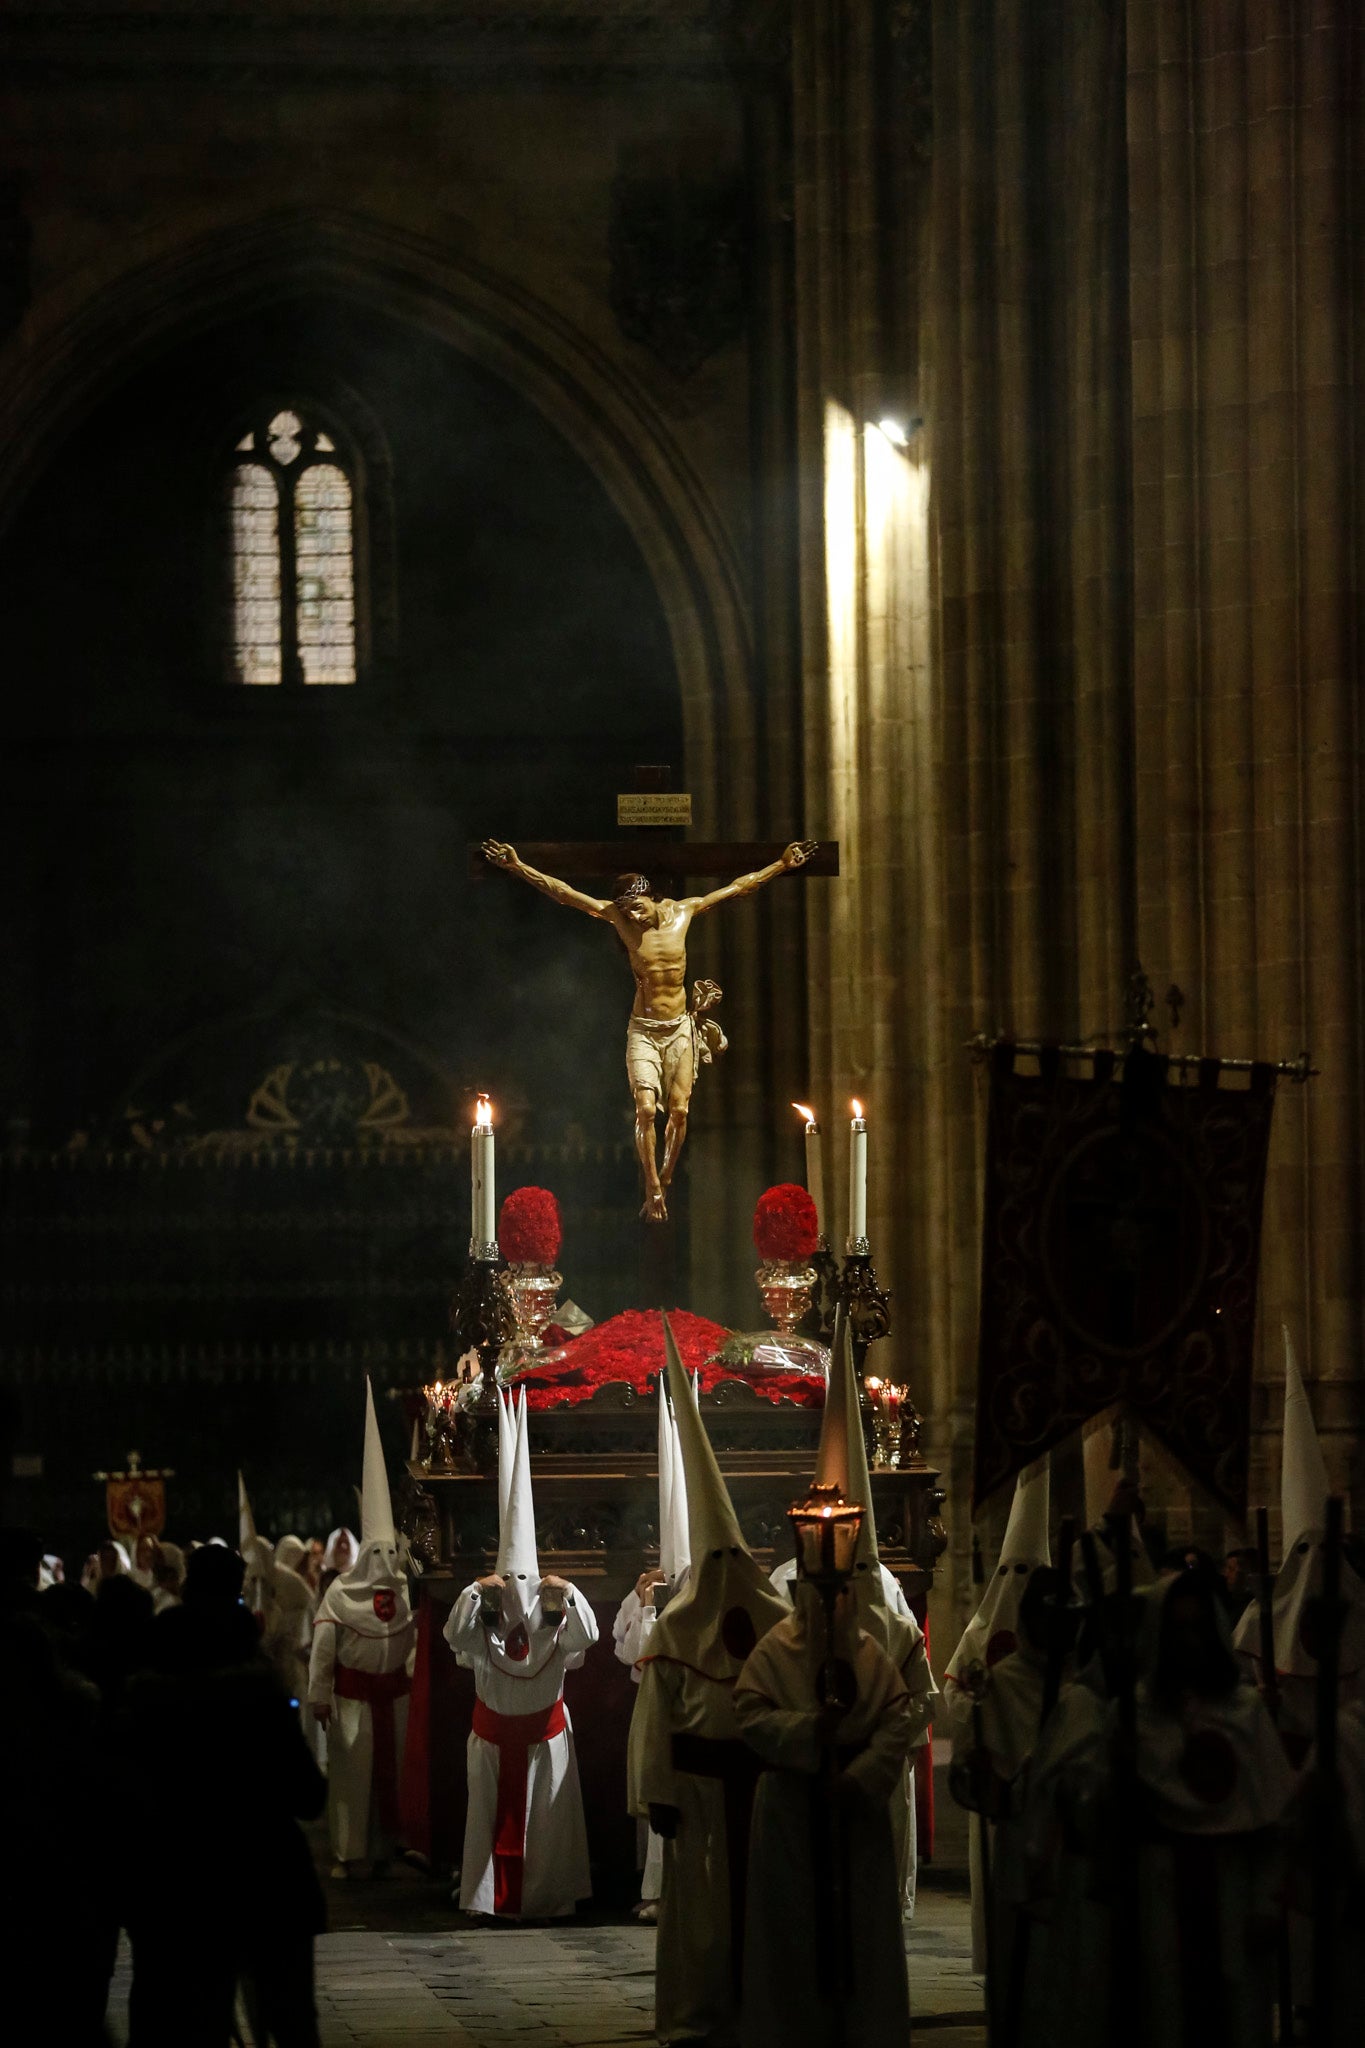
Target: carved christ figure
664,1038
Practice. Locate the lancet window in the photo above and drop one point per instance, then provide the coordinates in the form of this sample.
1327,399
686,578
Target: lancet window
293,544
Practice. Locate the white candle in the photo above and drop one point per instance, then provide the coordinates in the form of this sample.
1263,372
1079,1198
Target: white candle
483,1194
857,1180
814,1177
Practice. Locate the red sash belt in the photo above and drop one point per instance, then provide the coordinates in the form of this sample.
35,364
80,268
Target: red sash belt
512,1735
379,1690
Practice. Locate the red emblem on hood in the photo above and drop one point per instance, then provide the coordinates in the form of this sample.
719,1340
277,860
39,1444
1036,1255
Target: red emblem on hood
1003,1643
517,1645
386,1603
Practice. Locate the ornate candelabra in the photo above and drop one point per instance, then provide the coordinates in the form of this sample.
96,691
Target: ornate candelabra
866,1301
482,1320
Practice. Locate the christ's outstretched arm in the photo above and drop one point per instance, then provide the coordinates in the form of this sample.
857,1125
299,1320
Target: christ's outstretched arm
795,856
507,858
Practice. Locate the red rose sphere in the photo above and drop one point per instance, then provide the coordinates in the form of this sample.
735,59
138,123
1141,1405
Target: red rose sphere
786,1225
529,1230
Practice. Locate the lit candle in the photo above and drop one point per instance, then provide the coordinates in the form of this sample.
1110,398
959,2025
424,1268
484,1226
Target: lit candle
814,1177
857,1181
483,1198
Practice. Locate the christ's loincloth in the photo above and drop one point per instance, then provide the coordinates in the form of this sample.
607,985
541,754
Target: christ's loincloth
661,1054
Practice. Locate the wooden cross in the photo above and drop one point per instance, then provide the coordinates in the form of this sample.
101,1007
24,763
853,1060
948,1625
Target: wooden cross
672,860
655,851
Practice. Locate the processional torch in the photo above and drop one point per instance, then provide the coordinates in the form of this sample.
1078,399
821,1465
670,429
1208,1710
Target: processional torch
1326,1615
826,1528
1270,1693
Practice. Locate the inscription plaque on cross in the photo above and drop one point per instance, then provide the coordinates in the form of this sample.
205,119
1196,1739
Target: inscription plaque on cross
668,1034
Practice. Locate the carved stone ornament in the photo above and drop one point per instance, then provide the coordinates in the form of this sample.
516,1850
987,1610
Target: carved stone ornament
677,264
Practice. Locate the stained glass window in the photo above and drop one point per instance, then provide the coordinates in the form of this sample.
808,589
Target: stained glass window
325,575
293,555
256,573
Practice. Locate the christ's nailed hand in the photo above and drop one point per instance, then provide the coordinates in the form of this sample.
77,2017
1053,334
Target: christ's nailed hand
799,852
498,851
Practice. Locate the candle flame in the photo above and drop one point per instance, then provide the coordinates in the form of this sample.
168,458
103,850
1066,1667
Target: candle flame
857,1109
483,1115
806,1111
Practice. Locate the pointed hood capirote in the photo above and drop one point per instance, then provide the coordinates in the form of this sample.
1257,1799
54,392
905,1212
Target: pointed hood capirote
668,1561
256,1554
1304,1490
376,1508
842,1461
507,1457
1097,1441
682,1541
1304,1485
246,1521
727,1603
518,1562
992,1631
372,1597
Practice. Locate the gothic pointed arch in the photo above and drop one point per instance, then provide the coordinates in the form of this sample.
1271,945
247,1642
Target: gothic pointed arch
603,411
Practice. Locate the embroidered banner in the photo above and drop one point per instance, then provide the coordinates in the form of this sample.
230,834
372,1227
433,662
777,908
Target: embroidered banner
1121,1240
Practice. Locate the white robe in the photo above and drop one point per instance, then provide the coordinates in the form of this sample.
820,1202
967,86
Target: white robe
788,1939
554,1873
1214,1785
1009,1715
912,1660
353,1818
631,1631
694,1990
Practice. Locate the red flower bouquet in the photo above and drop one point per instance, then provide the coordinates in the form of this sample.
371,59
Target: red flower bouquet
786,1225
630,1348
529,1230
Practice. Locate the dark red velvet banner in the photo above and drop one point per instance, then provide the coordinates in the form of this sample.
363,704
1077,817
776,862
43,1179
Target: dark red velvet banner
1121,1240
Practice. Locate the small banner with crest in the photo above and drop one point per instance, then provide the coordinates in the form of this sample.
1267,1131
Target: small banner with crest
135,1501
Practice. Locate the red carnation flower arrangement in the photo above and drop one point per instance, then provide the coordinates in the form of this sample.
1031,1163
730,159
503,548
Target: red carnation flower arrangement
786,1225
529,1228
630,1348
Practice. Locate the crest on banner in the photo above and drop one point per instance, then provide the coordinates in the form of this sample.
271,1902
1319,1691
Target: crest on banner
135,1500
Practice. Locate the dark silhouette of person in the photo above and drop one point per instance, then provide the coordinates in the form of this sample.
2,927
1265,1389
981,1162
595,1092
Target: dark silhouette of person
60,1924
220,1884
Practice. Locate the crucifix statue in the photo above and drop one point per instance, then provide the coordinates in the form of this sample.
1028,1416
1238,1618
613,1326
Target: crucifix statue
666,1038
